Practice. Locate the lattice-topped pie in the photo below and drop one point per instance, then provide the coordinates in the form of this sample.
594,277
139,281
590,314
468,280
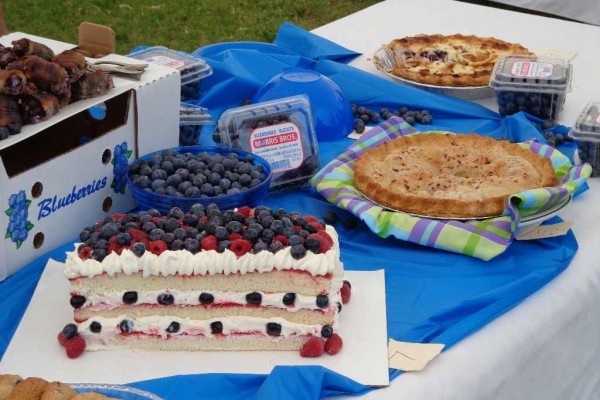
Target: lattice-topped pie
449,60
449,176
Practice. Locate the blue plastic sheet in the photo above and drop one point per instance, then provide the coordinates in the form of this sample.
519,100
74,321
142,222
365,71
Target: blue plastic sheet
431,295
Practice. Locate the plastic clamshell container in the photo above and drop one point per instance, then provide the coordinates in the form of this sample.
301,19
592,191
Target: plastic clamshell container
193,120
280,131
147,199
535,84
586,131
192,69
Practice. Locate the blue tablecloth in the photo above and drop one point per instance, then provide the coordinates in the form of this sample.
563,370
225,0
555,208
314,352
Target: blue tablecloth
432,296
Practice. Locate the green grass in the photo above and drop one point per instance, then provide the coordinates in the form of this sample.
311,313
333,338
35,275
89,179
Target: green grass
178,24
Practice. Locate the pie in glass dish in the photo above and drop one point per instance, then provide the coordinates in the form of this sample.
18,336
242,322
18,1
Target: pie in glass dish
449,60
444,175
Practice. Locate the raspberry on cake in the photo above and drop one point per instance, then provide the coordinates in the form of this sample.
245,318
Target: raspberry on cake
245,279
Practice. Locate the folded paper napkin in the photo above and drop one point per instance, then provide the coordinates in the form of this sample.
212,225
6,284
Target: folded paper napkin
484,239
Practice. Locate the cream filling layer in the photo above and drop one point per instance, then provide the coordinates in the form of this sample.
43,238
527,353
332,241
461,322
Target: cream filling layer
112,300
209,262
158,325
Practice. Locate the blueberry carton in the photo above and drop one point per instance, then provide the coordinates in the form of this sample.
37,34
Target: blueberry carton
69,171
534,84
192,69
586,131
193,119
280,131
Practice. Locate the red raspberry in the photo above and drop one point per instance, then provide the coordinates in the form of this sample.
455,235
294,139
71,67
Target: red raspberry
62,339
313,347
203,219
112,240
75,346
234,236
240,247
137,236
327,243
156,219
117,217
317,225
282,239
209,243
310,218
334,344
157,247
85,252
114,248
346,293
245,211
297,228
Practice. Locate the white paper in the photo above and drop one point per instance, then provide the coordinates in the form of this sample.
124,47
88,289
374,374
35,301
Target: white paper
35,351
407,356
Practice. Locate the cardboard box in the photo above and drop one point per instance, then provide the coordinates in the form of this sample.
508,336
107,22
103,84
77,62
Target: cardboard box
61,175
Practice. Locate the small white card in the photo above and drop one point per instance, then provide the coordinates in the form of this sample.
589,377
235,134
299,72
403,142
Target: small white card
411,356
544,231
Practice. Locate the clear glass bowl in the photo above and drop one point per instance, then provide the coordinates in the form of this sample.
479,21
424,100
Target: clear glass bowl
114,391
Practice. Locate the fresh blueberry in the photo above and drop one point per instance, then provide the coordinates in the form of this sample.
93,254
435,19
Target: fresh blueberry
99,254
206,298
216,327
139,249
350,223
273,329
298,251
330,217
156,234
192,245
130,297
223,245
95,327
126,326
176,213
165,299
173,327
260,246
123,239
322,301
192,191
313,244
69,331
326,331
254,298
177,244
289,299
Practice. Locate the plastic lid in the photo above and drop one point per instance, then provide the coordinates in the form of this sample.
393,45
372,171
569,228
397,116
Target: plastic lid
280,131
191,68
532,74
587,126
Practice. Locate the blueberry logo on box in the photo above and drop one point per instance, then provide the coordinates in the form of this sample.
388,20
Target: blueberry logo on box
120,166
18,214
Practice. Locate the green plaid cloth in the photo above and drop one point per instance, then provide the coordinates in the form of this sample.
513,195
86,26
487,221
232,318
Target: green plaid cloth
484,239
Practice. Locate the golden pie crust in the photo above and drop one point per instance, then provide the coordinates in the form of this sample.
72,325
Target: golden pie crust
449,60
449,176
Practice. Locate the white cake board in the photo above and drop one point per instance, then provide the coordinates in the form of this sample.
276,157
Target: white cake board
34,350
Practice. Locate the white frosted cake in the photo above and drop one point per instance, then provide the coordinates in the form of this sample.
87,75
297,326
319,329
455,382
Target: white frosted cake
245,279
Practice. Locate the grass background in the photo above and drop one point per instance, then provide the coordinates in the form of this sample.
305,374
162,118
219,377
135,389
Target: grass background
178,24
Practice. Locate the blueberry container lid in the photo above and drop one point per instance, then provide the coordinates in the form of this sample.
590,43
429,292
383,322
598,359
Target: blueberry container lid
281,131
532,74
587,125
191,68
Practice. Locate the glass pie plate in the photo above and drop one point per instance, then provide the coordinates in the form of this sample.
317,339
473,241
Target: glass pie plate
385,62
114,391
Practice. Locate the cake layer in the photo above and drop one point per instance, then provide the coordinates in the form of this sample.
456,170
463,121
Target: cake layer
271,282
302,316
221,343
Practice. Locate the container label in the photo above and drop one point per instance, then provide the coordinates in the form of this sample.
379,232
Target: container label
166,61
532,69
280,145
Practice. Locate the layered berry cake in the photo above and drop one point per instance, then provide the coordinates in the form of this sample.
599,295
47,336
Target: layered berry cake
244,279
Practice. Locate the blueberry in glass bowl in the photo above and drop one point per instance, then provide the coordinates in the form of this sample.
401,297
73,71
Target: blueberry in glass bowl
183,176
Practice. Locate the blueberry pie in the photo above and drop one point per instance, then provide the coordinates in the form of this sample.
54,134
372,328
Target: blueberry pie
449,60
